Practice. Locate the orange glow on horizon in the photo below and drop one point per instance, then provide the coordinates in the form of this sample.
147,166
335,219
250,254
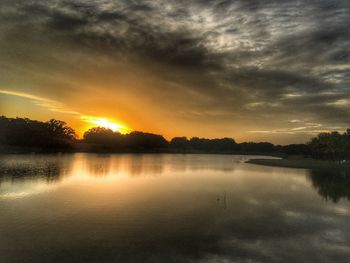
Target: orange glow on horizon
114,125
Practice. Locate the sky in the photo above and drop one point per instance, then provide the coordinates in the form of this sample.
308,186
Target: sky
268,70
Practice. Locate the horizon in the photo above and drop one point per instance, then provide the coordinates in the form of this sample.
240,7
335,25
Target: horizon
252,71
126,132
121,130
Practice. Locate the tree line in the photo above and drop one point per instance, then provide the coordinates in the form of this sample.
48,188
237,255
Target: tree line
56,135
30,134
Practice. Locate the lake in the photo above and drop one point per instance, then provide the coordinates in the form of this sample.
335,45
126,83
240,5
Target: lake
169,208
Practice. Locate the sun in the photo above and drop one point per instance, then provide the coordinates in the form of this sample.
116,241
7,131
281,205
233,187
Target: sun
106,123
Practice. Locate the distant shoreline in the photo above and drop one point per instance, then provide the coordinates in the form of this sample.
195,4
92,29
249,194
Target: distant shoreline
22,150
23,135
302,163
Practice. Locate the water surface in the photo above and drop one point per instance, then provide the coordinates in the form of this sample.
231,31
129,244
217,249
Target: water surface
169,208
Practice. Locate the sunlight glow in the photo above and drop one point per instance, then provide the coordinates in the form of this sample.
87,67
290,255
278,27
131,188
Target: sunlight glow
106,123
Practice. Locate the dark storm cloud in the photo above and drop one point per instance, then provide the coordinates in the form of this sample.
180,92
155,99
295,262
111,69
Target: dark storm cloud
287,59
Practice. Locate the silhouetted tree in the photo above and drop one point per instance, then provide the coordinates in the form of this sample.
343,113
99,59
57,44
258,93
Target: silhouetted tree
57,135
101,135
179,143
195,144
331,145
347,144
260,147
22,132
114,141
295,149
143,141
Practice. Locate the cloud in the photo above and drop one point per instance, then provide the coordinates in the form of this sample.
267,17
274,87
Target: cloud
263,62
49,104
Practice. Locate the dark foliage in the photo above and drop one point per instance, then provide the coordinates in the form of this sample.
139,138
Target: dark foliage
195,144
331,146
260,147
180,143
144,140
294,149
101,135
56,135
105,139
20,132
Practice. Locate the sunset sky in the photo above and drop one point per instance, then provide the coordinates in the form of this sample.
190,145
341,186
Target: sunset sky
267,70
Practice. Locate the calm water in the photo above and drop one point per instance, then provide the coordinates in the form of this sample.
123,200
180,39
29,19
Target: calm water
169,208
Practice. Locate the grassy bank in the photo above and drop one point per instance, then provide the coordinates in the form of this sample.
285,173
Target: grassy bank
301,163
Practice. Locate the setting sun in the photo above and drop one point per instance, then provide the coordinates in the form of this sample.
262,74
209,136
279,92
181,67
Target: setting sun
106,123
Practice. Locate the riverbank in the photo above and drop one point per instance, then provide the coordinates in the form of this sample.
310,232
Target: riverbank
88,148
302,163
